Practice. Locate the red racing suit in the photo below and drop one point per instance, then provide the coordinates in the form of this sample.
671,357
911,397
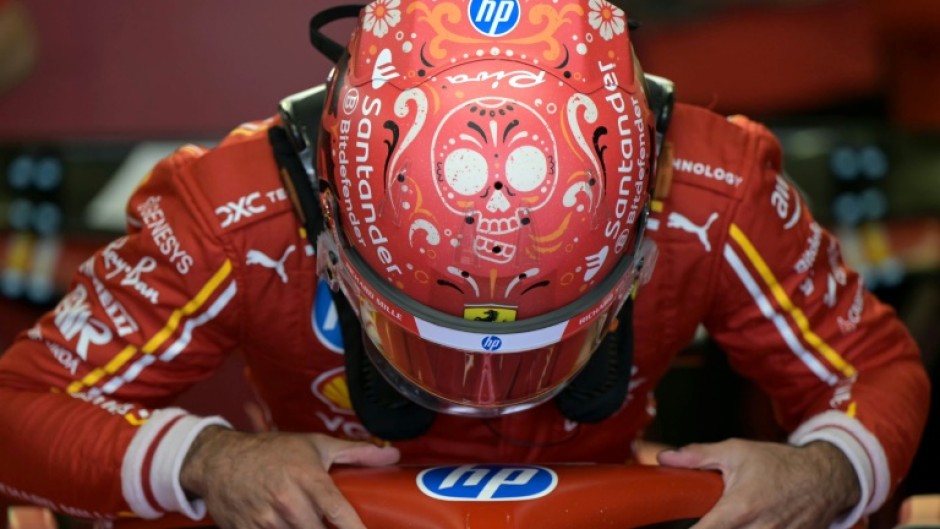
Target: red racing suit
214,262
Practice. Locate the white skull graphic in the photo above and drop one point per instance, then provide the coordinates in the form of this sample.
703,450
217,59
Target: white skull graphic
494,162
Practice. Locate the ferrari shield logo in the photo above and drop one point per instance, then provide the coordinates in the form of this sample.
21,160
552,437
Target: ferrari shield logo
489,313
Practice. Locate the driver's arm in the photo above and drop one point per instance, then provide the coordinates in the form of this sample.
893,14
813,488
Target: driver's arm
86,430
837,363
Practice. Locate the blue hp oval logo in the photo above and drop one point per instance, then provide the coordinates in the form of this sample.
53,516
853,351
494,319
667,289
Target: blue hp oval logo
491,343
487,482
494,18
325,319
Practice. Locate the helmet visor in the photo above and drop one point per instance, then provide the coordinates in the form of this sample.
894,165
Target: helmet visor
473,382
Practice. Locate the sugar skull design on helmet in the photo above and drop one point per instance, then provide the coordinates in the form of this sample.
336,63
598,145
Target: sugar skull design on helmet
468,170
485,168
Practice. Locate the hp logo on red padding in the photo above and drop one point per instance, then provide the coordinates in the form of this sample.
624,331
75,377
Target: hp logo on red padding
487,482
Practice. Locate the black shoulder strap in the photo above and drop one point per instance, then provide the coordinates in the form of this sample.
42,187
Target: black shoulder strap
661,96
300,114
294,146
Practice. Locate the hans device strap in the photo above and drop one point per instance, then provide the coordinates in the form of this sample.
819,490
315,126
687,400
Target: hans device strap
600,389
661,96
299,187
381,409
596,393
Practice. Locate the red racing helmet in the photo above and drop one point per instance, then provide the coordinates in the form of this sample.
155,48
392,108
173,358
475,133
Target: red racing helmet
485,170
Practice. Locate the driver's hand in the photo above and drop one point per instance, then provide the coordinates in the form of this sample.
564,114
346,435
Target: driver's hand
771,484
275,480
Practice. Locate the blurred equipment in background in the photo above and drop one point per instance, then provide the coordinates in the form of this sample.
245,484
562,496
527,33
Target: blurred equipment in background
764,58
770,58
34,218
44,188
18,44
911,42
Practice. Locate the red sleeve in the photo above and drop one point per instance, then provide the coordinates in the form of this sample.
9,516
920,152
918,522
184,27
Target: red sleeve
837,363
84,422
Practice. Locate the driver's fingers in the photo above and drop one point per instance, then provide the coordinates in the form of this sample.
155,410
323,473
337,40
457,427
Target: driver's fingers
729,513
298,511
690,456
331,504
333,450
723,456
269,519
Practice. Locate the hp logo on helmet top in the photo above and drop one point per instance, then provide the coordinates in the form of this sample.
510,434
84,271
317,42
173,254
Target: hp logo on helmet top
492,343
494,18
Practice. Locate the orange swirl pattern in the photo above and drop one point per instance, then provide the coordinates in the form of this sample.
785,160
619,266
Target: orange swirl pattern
544,23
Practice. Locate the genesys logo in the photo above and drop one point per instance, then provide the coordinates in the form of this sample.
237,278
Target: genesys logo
494,18
487,482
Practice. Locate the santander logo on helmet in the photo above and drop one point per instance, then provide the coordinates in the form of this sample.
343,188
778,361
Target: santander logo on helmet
496,153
